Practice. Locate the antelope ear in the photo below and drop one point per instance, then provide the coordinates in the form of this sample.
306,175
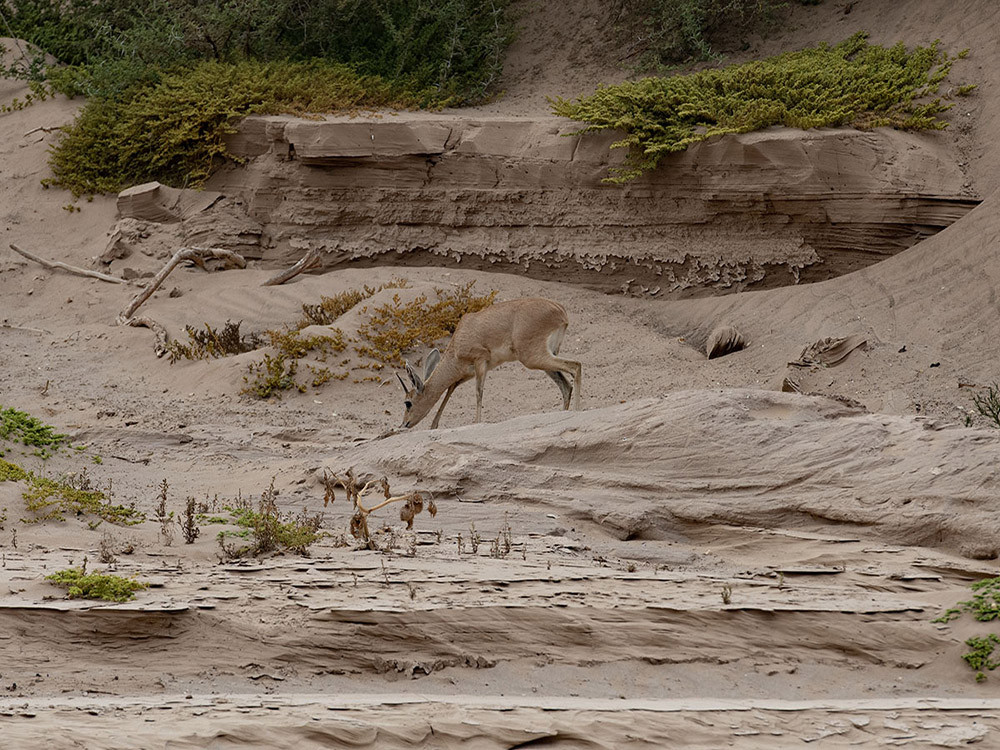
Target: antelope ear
433,357
402,383
417,382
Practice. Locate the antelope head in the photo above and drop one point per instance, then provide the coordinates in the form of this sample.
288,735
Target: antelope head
417,403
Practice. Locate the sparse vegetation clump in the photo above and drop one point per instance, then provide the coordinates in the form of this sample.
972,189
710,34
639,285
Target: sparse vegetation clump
987,403
268,530
329,309
853,83
54,499
984,606
21,427
211,343
82,585
397,326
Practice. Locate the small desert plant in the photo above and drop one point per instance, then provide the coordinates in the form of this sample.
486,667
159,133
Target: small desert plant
270,376
980,656
212,343
83,585
988,404
727,594
984,606
329,309
277,373
110,547
189,522
413,503
268,530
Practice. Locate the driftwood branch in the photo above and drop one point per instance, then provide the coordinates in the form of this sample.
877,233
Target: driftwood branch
310,260
185,253
195,254
66,267
44,129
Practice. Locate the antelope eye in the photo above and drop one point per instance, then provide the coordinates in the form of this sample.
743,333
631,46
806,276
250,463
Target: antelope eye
408,404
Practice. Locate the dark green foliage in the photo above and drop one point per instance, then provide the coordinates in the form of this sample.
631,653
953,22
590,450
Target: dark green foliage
83,585
168,79
853,83
673,31
454,46
174,130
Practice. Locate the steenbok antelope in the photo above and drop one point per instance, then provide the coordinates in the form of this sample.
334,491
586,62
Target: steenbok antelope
527,330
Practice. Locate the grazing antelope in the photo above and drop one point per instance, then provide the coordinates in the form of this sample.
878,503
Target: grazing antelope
528,330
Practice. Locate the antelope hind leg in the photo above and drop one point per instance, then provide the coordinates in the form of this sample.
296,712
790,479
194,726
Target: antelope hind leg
564,387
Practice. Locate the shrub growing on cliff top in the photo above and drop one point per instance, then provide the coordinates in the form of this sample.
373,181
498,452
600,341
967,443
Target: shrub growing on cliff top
168,79
853,83
174,131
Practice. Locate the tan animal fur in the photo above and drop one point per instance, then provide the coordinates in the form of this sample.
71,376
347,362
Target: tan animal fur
529,330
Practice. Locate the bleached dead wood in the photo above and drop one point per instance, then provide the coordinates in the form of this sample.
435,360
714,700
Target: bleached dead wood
66,267
309,260
195,254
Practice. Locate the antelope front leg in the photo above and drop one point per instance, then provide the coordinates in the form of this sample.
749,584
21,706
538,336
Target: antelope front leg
480,384
447,395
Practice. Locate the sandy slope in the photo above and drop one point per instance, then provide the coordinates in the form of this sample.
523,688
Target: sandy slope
837,528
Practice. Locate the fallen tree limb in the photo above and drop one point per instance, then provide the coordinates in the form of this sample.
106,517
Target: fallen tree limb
66,267
309,260
196,254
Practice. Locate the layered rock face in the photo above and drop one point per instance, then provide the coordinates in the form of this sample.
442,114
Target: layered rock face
527,196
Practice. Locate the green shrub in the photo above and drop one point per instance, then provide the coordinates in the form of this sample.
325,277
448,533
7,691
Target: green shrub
21,427
174,130
454,46
851,84
268,530
83,585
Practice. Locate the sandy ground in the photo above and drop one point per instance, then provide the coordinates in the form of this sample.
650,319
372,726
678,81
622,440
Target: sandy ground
696,558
